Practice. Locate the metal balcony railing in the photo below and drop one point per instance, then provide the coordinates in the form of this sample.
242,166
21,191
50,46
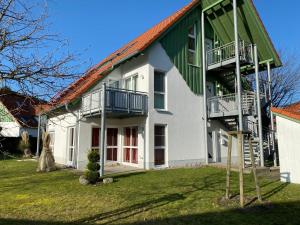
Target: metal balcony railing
227,105
119,101
225,55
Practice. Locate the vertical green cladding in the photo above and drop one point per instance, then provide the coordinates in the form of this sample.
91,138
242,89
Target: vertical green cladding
250,26
4,115
175,43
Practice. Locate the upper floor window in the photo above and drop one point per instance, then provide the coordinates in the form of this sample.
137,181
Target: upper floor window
114,83
131,83
192,45
159,90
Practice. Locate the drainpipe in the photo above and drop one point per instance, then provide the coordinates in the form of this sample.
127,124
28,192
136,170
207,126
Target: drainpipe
77,131
262,163
204,85
238,69
38,137
271,113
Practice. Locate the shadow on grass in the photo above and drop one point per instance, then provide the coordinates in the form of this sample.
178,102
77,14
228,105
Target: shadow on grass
266,214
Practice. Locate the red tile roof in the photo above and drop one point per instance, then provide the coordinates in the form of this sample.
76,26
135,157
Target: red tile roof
291,111
132,48
21,107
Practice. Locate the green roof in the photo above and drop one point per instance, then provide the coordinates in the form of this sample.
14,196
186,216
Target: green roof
250,26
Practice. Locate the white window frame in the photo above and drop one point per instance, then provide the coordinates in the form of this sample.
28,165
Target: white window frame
71,146
194,37
165,108
52,140
131,147
162,147
131,86
93,147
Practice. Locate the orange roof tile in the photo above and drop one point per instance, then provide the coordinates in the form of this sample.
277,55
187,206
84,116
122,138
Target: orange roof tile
132,48
291,111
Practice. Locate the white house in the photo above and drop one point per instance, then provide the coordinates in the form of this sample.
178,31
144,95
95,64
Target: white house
288,134
163,107
17,114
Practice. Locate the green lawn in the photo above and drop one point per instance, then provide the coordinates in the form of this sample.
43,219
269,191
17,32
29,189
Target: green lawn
179,196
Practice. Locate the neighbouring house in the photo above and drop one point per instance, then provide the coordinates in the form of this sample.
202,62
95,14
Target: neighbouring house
168,98
17,114
288,135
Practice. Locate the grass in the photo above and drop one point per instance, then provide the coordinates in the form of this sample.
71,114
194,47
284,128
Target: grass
179,196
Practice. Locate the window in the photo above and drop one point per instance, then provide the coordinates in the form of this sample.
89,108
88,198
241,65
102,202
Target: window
95,138
52,140
130,148
71,145
192,43
159,90
114,84
112,144
159,144
131,83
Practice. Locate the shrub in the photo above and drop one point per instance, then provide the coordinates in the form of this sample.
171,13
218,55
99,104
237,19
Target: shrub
94,156
93,167
92,176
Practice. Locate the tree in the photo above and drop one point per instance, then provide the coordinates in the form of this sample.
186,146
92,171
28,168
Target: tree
32,61
285,81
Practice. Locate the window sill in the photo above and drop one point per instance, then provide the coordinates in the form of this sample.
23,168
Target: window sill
192,65
165,111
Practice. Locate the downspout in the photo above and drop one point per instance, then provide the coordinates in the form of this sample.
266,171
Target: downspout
77,130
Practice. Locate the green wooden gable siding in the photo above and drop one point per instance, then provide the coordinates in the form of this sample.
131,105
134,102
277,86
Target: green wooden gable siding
4,115
249,25
175,43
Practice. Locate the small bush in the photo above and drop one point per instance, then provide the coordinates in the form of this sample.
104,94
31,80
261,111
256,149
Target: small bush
92,176
93,166
94,156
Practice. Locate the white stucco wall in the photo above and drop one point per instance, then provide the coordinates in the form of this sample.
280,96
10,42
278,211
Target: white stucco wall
10,129
288,133
183,117
13,129
59,125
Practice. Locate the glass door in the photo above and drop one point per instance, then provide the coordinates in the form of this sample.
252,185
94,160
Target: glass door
112,144
130,145
71,146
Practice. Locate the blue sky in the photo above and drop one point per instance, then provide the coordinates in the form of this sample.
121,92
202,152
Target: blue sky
96,28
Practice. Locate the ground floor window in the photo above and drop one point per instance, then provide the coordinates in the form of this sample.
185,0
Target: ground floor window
71,144
52,140
130,145
112,144
159,144
95,138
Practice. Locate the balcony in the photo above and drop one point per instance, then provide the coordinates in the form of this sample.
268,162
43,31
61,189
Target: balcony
223,57
227,105
119,103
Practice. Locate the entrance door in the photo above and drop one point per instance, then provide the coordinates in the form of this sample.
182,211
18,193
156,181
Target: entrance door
130,146
71,146
112,144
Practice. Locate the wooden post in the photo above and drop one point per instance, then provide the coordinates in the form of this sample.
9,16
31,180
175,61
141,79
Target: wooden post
228,166
254,169
241,167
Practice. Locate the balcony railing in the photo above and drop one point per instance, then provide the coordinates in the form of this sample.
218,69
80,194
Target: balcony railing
227,105
118,102
225,55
